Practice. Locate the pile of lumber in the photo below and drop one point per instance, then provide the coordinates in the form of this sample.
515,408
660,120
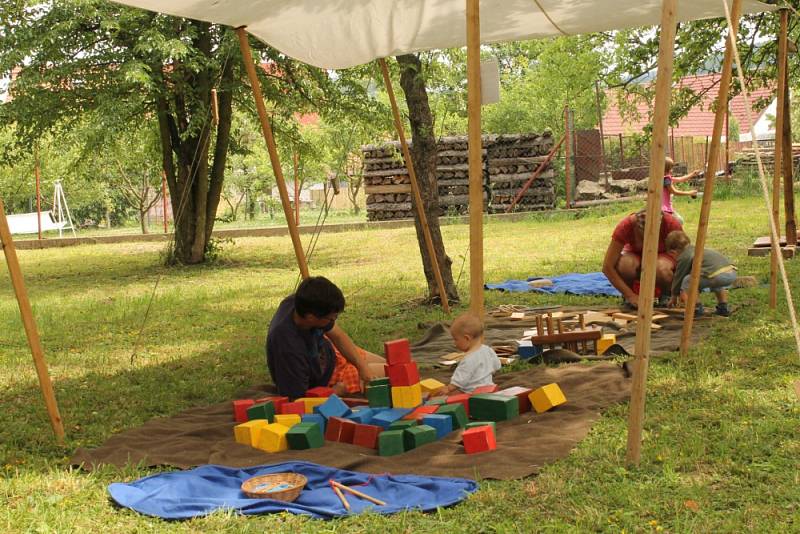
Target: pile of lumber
508,161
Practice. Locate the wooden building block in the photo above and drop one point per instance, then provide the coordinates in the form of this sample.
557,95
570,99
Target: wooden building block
456,412
309,403
493,407
276,400
436,401
521,394
397,351
476,424
367,436
390,443
407,397
604,342
461,398
430,385
382,381
298,408
379,396
305,436
547,397
265,410
319,391
287,419
333,407
402,374
386,417
240,409
417,436
333,430
248,433
348,431
479,439
354,402
402,424
420,412
485,389
314,418
362,416
272,438
443,423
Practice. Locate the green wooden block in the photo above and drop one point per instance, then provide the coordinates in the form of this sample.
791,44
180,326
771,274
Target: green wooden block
402,424
265,410
436,401
417,436
481,423
457,412
379,396
305,436
390,442
379,381
491,407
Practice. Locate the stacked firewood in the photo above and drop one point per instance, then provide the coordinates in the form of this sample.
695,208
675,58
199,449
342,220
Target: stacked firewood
747,159
388,185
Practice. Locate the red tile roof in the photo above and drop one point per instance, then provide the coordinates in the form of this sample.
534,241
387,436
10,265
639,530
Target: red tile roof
700,119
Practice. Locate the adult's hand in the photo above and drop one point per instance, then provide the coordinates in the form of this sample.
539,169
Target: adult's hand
633,300
340,389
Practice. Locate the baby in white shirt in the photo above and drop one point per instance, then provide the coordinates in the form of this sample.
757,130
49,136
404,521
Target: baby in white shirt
476,368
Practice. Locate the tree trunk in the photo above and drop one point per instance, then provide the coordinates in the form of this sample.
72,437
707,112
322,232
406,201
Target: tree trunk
424,153
143,218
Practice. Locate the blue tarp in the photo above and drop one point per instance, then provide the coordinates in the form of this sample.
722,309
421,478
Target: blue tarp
572,283
205,489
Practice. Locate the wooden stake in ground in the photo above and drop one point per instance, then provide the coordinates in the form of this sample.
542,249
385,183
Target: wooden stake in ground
426,231
29,323
266,130
776,176
475,162
708,189
788,162
651,232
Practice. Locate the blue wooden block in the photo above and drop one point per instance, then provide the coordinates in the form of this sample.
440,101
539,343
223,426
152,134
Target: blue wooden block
441,422
362,416
386,417
333,407
314,418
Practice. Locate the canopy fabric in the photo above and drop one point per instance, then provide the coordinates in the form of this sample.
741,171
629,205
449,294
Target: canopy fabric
337,34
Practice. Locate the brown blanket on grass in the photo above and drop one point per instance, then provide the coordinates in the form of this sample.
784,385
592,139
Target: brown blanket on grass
204,435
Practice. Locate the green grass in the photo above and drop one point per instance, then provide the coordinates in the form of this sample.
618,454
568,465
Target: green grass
720,444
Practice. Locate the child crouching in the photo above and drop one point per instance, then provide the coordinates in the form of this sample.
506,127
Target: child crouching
479,363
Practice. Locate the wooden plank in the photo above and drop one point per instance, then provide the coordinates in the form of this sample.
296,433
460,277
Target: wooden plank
383,189
787,251
624,316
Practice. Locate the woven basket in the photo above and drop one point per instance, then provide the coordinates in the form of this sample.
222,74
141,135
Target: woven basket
279,486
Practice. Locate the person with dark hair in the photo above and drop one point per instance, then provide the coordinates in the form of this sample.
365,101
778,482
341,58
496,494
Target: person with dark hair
306,348
623,260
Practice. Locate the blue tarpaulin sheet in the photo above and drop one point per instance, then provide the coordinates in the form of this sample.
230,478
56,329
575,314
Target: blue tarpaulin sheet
206,489
572,284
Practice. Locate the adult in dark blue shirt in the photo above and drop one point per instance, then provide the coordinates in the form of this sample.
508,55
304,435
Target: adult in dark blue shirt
306,348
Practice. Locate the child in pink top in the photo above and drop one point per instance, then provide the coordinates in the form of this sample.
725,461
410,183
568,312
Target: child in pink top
669,188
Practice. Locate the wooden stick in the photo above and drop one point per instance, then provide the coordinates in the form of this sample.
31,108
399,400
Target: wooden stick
652,226
214,108
567,160
266,130
539,325
550,329
423,219
535,175
788,167
776,175
38,192
339,494
474,157
560,326
708,190
28,321
359,494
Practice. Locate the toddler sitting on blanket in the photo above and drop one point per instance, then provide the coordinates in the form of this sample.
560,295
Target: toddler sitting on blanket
476,368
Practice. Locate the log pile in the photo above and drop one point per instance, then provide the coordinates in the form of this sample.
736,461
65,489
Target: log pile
508,161
747,159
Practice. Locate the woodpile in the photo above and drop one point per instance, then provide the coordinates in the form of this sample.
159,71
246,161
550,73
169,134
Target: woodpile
747,159
508,161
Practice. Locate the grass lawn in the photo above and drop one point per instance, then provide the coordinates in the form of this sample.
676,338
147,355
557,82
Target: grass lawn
721,442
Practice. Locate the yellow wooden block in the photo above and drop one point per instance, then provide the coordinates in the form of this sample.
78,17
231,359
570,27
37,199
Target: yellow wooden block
311,402
429,385
288,420
547,397
273,438
407,396
604,342
249,432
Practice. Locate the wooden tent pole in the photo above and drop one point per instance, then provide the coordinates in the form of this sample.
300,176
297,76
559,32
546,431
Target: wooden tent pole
567,159
423,220
652,227
788,167
38,192
28,321
475,159
708,189
266,129
780,118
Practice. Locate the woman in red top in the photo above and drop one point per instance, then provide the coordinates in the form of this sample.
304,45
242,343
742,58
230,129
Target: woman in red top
623,259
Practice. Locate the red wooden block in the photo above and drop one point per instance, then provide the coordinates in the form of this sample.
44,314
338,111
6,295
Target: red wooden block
240,409
348,431
397,351
463,398
485,389
276,401
334,429
402,374
293,407
421,411
352,402
319,392
479,439
522,394
367,436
